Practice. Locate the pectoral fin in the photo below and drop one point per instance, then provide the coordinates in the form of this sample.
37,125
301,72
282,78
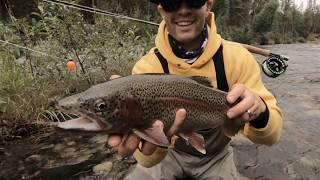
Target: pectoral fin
196,140
154,134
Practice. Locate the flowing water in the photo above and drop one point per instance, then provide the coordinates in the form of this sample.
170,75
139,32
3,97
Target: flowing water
297,155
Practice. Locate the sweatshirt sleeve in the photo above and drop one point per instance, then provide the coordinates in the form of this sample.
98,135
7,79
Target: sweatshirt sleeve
149,64
250,76
151,160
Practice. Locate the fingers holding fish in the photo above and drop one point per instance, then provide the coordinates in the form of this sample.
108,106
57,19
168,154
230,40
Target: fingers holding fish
179,119
246,109
114,140
148,148
251,113
128,145
249,107
240,92
114,76
237,91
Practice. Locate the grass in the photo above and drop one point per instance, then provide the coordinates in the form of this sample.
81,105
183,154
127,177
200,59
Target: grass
30,83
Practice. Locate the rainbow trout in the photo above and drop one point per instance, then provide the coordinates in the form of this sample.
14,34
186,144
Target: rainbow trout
132,104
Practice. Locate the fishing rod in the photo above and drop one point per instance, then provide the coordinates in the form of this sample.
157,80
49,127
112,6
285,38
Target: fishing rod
27,48
98,11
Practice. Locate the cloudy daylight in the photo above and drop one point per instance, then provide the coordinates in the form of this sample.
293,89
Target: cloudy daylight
303,4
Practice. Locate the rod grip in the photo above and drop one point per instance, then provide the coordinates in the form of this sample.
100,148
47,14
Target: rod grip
256,50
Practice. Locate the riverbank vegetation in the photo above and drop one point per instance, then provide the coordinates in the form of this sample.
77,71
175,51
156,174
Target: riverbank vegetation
32,80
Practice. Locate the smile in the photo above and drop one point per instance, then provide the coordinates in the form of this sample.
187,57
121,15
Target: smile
184,23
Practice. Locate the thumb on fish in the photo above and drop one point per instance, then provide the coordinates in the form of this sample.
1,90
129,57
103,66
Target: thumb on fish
114,76
181,114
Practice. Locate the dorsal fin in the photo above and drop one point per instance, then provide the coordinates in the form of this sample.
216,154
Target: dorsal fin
202,80
155,74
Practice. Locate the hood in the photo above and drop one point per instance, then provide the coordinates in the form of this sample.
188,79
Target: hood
214,41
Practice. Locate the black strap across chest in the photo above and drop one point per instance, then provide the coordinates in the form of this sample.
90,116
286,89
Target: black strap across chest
222,82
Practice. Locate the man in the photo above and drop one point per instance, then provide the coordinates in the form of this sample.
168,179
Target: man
187,44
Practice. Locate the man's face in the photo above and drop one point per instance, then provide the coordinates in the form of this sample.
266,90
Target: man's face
186,23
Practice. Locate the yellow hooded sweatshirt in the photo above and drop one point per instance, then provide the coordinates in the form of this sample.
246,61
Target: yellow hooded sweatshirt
240,67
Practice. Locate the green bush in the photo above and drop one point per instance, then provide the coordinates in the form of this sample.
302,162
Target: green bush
312,37
242,35
31,82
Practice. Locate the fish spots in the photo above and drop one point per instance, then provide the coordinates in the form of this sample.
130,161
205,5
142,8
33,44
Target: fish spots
196,104
139,100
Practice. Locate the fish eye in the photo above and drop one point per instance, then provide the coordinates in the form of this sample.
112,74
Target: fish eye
100,105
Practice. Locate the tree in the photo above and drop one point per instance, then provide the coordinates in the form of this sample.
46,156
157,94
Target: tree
18,8
88,16
22,8
239,12
263,20
221,8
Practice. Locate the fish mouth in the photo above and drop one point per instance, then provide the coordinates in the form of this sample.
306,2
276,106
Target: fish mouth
84,123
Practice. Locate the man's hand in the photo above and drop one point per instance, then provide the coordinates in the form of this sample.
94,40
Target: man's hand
250,105
127,144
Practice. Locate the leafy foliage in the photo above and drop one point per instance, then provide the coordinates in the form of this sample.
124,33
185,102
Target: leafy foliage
266,21
263,20
31,82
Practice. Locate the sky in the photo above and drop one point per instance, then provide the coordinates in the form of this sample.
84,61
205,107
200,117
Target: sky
304,3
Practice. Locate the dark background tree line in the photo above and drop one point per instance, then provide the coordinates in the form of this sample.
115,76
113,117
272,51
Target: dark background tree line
247,21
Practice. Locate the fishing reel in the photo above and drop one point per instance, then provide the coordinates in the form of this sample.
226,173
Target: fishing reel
274,65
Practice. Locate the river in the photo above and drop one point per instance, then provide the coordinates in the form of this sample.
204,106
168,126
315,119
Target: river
297,155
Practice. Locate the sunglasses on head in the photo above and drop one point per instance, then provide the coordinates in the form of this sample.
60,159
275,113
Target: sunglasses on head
174,5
